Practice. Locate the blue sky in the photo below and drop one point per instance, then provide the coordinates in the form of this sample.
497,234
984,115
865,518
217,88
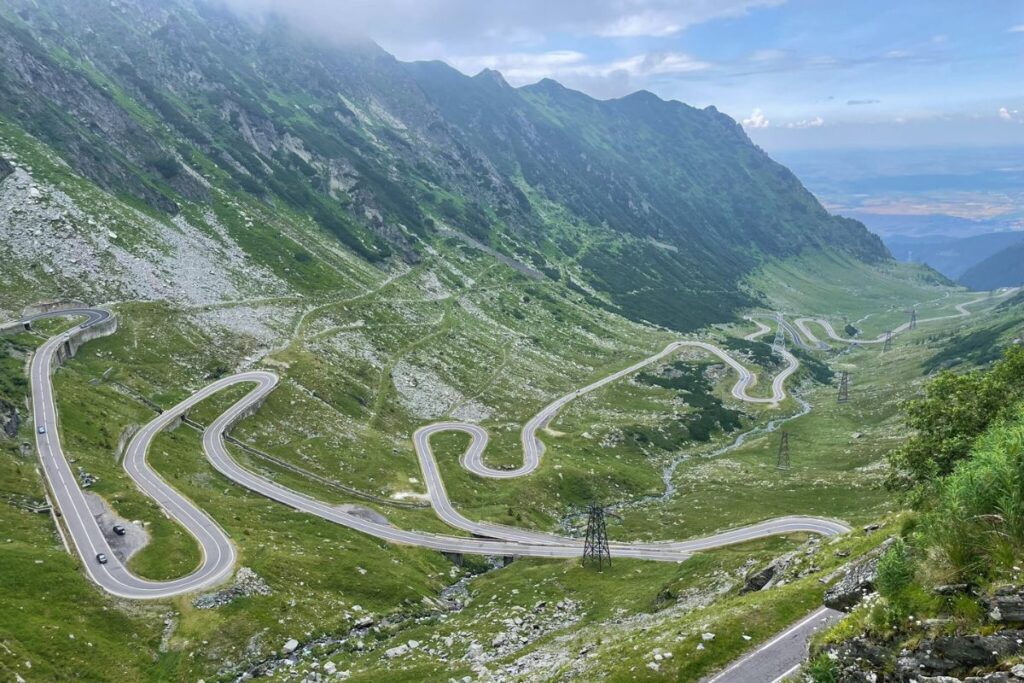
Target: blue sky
797,73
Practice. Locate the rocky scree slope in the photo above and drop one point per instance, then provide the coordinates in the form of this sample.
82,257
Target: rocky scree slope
174,106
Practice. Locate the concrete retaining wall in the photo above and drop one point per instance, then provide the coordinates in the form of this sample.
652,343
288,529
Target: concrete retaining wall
78,337
50,306
250,410
12,328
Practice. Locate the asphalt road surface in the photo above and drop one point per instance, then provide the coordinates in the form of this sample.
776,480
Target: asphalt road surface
218,553
781,656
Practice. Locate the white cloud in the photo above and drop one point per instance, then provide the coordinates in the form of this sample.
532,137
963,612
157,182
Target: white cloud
409,27
660,63
769,55
573,68
645,24
520,67
756,120
1019,28
660,18
816,122
1010,115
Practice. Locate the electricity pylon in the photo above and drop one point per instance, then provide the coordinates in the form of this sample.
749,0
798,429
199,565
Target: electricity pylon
888,341
595,547
913,318
844,387
783,461
780,336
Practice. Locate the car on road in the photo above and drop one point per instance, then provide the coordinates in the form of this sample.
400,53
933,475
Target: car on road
42,429
120,530
101,558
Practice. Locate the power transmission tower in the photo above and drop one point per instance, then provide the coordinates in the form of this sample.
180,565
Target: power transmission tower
780,336
913,318
888,341
844,387
595,547
783,461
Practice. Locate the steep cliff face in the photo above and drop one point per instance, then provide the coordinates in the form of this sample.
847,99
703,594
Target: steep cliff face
657,208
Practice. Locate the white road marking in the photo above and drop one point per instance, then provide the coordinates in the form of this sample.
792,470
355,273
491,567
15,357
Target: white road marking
818,613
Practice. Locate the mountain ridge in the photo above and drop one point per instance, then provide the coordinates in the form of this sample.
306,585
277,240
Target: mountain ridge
659,208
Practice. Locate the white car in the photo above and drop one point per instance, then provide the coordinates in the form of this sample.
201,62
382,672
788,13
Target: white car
42,429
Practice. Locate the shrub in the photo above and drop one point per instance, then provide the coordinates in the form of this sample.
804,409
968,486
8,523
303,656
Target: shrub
166,165
978,518
954,412
895,572
823,670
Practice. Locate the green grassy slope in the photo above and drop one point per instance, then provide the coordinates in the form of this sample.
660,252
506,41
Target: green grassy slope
345,410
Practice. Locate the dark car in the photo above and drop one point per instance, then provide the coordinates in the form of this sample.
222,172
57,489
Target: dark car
120,530
101,558
42,429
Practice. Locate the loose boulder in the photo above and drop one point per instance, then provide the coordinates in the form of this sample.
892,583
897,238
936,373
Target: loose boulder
859,581
766,577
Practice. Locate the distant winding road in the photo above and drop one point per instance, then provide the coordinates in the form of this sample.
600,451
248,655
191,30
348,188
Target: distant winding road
218,552
962,312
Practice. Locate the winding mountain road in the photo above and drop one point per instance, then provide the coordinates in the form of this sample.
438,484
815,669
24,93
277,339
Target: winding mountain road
218,552
962,312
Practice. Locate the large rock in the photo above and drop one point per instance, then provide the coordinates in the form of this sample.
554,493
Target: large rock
1007,604
857,660
765,577
9,419
396,651
859,581
956,654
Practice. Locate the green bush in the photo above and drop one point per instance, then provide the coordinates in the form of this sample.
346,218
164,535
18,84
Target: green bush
955,410
977,521
823,670
895,572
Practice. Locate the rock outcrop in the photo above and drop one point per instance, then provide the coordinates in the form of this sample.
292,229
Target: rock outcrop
5,168
1007,604
764,578
858,581
952,655
9,419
